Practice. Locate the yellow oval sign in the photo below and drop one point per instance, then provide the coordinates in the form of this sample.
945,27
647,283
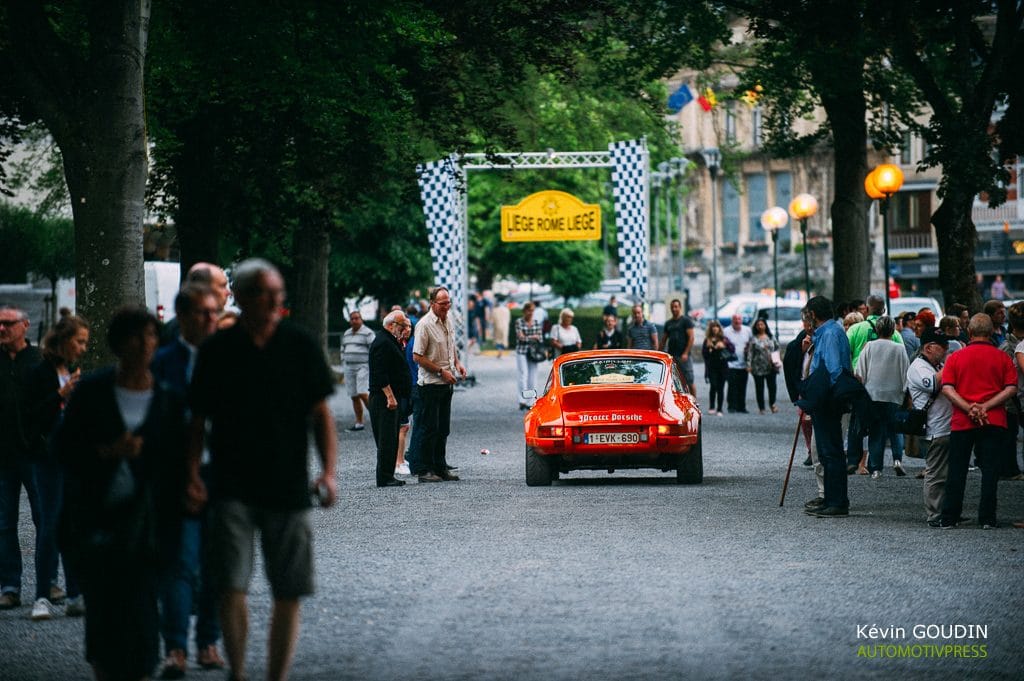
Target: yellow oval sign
551,215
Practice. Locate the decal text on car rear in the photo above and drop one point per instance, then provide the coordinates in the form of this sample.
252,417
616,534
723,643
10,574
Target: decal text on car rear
610,417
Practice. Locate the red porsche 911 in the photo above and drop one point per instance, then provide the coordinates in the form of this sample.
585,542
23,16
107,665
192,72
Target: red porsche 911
612,409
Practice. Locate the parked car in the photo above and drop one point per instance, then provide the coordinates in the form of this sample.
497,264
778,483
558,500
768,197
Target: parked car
611,409
898,306
790,321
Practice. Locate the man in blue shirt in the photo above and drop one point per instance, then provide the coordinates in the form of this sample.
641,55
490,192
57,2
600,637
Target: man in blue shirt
831,355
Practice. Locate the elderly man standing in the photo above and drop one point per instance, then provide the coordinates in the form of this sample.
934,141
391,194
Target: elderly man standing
17,359
434,352
261,384
924,381
390,383
355,350
977,380
830,360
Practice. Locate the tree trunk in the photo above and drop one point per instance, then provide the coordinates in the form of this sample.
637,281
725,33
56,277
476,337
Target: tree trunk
957,240
851,244
308,294
102,136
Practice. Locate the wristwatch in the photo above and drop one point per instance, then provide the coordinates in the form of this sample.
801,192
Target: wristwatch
440,373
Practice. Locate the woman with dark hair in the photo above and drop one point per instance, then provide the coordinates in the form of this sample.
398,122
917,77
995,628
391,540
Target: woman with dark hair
122,442
50,385
761,364
716,351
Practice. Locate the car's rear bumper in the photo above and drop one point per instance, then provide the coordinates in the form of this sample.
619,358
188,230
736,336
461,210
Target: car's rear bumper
654,447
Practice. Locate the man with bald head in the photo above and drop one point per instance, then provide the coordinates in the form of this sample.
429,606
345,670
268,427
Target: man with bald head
390,383
978,380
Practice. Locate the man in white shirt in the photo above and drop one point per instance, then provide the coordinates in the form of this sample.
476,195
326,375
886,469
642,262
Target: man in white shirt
924,381
739,336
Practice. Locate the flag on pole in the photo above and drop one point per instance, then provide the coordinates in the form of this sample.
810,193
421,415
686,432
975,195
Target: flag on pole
707,100
680,98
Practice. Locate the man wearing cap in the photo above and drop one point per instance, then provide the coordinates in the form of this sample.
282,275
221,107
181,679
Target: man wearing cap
924,381
977,380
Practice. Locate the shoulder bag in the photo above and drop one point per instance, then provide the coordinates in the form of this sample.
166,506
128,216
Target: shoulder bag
910,421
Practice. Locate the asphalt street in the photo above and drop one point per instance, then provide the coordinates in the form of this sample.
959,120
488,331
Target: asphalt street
624,576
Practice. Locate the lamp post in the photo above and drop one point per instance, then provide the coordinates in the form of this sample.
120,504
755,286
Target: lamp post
881,183
772,220
712,159
804,206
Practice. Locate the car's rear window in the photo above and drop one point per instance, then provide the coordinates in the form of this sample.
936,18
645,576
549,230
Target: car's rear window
612,371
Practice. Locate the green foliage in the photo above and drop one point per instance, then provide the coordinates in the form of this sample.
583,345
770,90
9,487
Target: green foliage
35,244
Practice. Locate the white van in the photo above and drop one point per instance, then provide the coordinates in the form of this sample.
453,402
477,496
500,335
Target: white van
163,279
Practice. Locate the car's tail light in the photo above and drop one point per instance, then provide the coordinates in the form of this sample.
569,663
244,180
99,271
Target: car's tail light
551,431
673,429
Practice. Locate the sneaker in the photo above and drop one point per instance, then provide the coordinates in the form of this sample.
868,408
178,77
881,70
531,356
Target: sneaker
175,665
877,475
75,607
57,595
356,427
42,609
402,469
9,599
898,467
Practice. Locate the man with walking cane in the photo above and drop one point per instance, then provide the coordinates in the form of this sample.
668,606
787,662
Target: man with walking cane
824,393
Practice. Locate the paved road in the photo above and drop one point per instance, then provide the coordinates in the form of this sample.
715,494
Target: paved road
627,576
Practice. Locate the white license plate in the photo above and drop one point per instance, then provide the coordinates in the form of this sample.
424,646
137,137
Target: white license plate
611,438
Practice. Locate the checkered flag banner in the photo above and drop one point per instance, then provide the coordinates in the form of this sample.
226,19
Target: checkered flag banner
442,192
630,178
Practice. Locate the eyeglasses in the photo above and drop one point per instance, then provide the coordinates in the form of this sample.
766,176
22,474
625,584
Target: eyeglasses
10,322
445,303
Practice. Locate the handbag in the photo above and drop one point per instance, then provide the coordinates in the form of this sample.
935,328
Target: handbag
910,421
536,352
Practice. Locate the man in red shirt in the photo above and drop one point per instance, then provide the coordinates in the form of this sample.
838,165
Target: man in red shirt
978,380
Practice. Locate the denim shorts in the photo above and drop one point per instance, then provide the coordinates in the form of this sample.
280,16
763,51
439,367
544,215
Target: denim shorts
286,540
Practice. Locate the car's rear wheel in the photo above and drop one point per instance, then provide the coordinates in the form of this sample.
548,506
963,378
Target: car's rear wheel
538,469
691,465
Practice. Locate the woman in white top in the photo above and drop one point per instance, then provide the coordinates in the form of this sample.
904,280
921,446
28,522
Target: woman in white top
566,337
882,366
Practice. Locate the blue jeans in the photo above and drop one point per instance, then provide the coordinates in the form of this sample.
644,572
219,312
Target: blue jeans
880,431
49,481
13,476
185,579
828,433
413,455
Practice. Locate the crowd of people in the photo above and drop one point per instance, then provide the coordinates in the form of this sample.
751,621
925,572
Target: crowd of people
149,479
857,368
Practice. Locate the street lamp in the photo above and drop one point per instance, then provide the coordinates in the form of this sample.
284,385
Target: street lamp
712,159
802,207
881,183
772,220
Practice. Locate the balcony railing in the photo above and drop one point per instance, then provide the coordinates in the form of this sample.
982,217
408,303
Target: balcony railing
1008,212
912,241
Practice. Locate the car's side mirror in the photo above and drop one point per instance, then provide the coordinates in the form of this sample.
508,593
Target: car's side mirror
529,394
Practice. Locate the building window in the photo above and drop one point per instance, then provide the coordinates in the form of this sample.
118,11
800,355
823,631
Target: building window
730,122
783,195
757,123
730,213
906,149
912,212
757,203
